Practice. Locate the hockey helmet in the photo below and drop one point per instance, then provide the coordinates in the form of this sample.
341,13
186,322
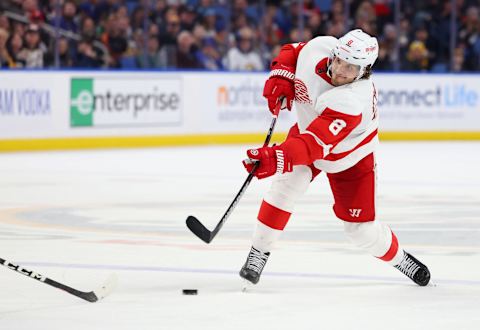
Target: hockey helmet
358,48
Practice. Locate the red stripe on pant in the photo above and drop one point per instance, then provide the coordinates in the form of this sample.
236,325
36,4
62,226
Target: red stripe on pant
392,251
272,216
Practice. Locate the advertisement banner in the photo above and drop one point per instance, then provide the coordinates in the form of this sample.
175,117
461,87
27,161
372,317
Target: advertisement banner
26,105
234,103
125,102
420,102
208,106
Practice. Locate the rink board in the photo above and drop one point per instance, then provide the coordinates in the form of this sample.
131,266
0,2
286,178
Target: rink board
42,110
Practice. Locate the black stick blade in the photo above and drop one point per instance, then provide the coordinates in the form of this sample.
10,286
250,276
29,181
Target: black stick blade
199,229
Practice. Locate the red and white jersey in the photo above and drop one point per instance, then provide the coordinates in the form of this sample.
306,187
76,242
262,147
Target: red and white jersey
342,120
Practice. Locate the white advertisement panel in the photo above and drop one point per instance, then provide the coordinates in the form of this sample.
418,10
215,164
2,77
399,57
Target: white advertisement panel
26,105
233,103
421,102
35,104
117,101
69,104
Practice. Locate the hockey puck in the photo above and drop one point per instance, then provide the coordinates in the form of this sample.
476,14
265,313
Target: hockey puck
190,291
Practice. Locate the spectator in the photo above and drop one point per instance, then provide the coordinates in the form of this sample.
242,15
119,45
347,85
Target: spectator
155,57
96,9
34,50
187,55
403,36
88,29
458,60
336,29
14,47
272,34
29,6
239,22
243,57
203,5
209,21
115,39
211,58
153,29
387,56
172,28
87,56
89,8
36,17
138,18
383,13
188,18
19,28
64,55
223,39
297,36
316,24
365,18
417,57
4,23
337,17
137,45
67,21
422,35
5,58
469,37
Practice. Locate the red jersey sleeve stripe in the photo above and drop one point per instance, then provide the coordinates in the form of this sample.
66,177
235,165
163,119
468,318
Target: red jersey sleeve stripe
333,157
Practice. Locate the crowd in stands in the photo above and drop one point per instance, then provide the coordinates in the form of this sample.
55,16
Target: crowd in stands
230,35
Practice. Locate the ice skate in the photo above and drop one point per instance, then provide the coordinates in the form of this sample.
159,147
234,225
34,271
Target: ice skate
253,267
414,269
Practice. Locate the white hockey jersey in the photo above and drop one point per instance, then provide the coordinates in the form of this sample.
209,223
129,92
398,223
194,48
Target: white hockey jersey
343,120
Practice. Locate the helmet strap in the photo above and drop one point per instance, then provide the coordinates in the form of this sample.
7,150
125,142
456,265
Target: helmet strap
360,73
329,66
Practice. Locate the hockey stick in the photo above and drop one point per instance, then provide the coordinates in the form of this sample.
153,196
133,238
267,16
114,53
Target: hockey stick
197,227
91,296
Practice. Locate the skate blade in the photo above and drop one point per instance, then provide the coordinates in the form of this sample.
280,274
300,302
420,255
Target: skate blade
247,286
433,284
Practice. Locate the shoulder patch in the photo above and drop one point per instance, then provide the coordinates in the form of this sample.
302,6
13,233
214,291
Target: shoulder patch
301,92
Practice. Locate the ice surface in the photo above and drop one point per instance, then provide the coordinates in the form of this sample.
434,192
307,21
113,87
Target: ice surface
78,216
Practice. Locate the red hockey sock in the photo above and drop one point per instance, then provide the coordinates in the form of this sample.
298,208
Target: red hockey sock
272,216
394,254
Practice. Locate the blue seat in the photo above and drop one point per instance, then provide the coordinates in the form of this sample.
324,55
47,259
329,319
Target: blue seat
439,67
131,5
324,5
128,62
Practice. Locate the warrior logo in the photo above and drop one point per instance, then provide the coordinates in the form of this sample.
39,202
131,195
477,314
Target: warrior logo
355,213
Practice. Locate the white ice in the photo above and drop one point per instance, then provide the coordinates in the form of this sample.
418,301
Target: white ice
78,216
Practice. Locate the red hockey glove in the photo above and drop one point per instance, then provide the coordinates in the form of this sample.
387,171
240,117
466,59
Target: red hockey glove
280,84
272,160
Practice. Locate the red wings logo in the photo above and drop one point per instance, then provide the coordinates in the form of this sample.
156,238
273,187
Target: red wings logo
301,92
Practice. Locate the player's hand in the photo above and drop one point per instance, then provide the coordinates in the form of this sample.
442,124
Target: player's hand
280,84
272,160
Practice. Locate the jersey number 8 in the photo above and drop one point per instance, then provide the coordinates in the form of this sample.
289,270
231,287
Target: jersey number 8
336,126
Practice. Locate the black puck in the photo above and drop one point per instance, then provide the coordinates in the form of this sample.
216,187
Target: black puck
190,291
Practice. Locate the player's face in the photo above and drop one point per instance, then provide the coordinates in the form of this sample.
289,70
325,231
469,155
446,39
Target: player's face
343,72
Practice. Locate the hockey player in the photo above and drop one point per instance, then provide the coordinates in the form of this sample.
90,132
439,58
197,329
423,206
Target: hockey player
328,82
